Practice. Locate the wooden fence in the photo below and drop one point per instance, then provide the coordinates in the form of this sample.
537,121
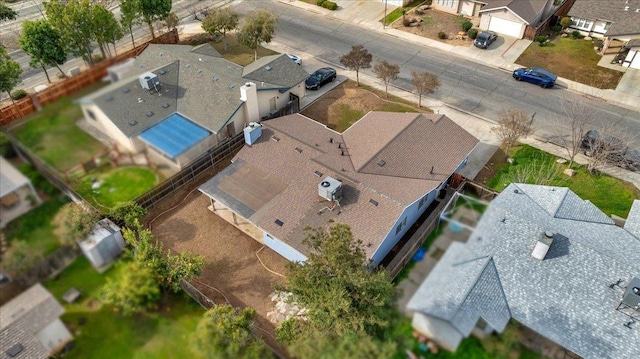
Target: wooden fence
191,172
531,32
28,105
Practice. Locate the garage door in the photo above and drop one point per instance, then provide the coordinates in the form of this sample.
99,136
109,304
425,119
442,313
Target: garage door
505,27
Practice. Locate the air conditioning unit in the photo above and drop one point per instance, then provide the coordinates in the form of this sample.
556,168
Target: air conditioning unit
330,189
149,80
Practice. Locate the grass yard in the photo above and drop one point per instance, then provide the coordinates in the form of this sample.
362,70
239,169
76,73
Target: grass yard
238,53
610,194
397,13
575,60
37,227
99,332
116,185
53,136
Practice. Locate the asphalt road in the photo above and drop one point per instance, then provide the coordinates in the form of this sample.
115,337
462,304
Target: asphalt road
467,85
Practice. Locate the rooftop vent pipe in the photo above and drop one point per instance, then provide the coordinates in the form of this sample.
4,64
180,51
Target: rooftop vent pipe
542,246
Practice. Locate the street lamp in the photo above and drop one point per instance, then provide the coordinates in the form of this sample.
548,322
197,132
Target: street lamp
384,19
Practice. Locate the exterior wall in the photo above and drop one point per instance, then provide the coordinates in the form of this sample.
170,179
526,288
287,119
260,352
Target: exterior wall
485,20
265,96
54,336
396,2
449,6
195,151
442,332
283,249
103,124
408,217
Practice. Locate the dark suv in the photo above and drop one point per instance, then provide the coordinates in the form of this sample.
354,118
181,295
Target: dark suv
617,152
485,39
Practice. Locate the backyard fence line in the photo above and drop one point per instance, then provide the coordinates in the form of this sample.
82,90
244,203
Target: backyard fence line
48,267
192,172
32,103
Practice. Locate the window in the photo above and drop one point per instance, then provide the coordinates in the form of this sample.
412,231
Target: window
401,225
423,200
607,26
448,3
581,23
91,115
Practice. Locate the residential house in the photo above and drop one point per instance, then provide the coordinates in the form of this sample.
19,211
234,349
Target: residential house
17,195
469,8
378,177
513,17
613,20
30,325
548,259
176,101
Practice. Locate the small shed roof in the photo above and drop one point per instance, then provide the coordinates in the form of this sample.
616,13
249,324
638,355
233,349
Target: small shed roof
10,178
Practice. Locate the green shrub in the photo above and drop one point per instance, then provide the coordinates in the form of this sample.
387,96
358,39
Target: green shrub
6,147
541,40
320,2
565,22
575,34
467,25
329,5
442,35
556,28
473,33
18,94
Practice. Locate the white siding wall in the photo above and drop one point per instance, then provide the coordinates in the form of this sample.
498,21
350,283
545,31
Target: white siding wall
633,59
283,249
54,335
441,331
450,6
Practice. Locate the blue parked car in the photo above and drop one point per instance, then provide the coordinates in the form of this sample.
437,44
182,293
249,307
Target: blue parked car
535,75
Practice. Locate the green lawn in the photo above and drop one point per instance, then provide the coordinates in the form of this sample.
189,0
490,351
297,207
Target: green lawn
36,226
575,60
610,194
53,136
117,185
238,53
101,333
397,13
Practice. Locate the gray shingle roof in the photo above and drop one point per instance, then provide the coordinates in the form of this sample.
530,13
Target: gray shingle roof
566,297
196,82
632,225
624,22
10,178
298,206
276,71
23,317
525,9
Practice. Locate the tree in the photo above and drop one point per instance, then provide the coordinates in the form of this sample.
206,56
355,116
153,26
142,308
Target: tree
154,10
77,223
224,332
130,15
607,143
74,21
133,292
220,21
565,22
358,58
129,212
20,257
513,124
574,120
424,82
344,299
386,72
259,27
9,72
106,29
7,13
172,20
43,44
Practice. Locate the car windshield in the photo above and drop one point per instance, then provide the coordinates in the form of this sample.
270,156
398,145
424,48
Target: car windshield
483,36
316,76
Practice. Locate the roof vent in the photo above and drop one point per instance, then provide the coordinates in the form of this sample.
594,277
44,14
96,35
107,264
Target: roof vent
317,173
133,123
149,113
162,72
542,246
382,163
516,191
268,68
373,202
199,71
330,139
215,78
231,85
275,138
126,90
109,98
330,189
631,295
165,105
187,65
15,350
279,222
298,149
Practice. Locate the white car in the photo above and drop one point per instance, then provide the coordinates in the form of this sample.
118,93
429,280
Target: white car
295,59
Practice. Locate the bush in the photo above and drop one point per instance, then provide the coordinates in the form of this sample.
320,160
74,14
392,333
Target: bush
565,22
329,5
406,22
320,2
473,33
442,35
467,25
576,34
18,94
541,40
6,147
556,28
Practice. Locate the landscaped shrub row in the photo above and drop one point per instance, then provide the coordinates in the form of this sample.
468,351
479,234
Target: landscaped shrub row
473,33
327,4
18,94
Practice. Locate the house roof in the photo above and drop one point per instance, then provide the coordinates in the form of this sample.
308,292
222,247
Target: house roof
196,82
527,10
26,315
10,178
566,297
276,71
277,180
623,22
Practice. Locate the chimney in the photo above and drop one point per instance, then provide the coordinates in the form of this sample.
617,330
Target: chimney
542,246
249,94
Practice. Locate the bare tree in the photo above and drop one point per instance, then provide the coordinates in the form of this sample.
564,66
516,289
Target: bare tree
358,58
171,21
539,172
386,72
575,119
196,10
424,83
513,124
609,143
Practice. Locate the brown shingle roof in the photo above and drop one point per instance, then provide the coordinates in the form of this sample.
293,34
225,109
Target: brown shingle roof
624,22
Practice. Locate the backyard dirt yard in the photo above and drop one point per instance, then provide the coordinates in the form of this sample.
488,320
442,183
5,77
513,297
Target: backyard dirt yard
433,22
232,266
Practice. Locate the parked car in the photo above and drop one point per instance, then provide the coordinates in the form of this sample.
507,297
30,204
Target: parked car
617,152
535,75
320,78
485,39
295,59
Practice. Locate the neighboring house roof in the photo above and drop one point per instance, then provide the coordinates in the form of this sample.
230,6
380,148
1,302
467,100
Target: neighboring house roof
567,296
623,22
195,82
10,178
527,10
277,180
26,315
276,71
